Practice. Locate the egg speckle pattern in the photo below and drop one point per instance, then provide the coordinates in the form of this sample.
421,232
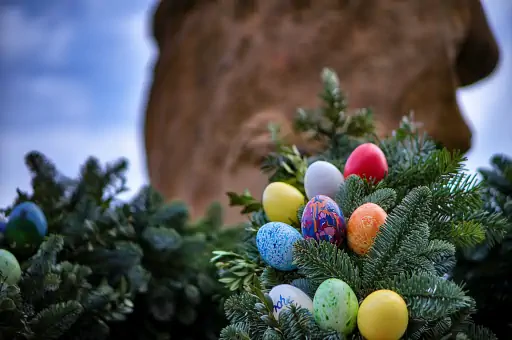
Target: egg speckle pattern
335,306
323,220
275,242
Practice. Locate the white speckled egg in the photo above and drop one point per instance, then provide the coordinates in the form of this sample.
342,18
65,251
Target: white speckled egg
285,295
322,178
335,306
275,243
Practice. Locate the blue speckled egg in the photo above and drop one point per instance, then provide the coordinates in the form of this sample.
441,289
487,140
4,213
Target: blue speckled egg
323,220
275,242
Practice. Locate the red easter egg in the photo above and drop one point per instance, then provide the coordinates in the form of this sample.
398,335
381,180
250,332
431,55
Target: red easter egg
367,161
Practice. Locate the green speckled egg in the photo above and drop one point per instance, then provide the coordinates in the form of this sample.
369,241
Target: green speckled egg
335,306
10,270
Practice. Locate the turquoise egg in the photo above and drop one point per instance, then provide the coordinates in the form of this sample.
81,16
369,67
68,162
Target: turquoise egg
275,242
27,224
335,306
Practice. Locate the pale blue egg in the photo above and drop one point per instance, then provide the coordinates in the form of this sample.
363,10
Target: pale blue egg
275,242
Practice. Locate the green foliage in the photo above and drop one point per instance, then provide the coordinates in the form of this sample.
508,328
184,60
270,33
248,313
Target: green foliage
111,269
434,210
486,269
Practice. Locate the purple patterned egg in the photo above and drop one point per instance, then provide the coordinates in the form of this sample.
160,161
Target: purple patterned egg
323,220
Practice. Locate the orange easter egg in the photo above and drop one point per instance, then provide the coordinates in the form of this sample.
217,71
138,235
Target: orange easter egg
363,226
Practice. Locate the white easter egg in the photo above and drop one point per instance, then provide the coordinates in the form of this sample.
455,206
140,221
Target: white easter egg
322,178
283,296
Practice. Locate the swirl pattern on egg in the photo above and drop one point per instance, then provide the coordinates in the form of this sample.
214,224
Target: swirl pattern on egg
323,220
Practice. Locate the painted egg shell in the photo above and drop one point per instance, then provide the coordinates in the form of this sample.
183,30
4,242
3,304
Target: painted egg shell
285,295
30,213
335,306
323,220
9,267
322,178
275,242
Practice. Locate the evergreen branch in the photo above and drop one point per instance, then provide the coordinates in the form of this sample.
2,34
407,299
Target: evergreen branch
435,329
304,284
456,193
462,234
496,225
385,198
272,334
237,331
351,195
320,261
428,297
55,320
398,238
296,323
239,308
474,332
271,277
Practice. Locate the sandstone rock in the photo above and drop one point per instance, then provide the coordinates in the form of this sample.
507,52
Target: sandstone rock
227,68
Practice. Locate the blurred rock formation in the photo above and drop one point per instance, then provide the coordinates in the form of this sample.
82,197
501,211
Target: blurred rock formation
226,68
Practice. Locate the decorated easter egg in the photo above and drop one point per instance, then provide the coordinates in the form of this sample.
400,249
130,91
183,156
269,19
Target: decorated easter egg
322,178
275,241
383,315
283,296
10,270
281,202
335,306
363,227
367,161
323,220
27,224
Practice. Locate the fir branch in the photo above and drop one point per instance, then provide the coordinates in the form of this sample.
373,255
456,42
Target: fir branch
385,198
240,308
297,323
320,261
237,331
398,238
435,329
271,277
55,320
428,297
351,195
475,332
462,234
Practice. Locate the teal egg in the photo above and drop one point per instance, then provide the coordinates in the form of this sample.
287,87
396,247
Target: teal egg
10,270
27,224
335,306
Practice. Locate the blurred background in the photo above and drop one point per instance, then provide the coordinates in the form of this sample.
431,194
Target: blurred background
74,76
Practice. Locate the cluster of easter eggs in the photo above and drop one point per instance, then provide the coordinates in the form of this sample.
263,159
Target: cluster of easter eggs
322,219
382,314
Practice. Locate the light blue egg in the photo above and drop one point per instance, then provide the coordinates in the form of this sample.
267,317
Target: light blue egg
275,242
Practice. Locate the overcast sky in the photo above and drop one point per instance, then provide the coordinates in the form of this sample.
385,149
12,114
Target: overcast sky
74,74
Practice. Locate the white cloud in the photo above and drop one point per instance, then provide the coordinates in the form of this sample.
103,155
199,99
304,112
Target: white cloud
45,37
68,148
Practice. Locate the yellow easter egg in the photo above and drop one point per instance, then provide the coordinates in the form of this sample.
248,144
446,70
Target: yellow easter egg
281,202
383,315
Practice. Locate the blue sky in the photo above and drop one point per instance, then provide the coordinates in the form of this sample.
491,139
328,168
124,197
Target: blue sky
74,75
